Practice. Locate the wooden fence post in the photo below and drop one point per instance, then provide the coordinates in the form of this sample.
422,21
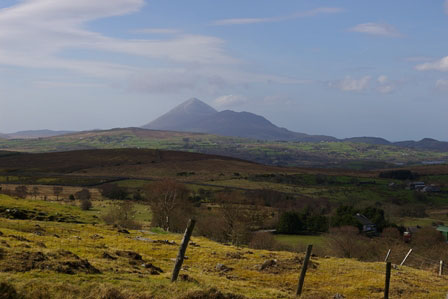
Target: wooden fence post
182,249
304,267
387,284
441,268
387,255
404,260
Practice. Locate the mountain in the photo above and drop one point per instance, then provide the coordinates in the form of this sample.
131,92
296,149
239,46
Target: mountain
425,144
184,115
196,116
35,134
368,140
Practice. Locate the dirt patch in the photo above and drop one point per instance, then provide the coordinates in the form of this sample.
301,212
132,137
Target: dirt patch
167,242
275,266
23,214
222,268
61,261
187,278
96,237
153,270
108,256
19,238
7,291
235,255
130,255
212,294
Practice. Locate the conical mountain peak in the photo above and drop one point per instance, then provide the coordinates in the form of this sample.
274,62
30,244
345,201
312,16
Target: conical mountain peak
195,105
182,115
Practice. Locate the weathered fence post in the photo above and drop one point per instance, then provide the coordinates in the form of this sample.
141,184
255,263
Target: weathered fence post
404,260
387,255
304,267
441,268
386,287
182,249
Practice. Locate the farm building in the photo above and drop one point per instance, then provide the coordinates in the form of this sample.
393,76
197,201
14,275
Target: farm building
367,226
416,185
444,230
431,188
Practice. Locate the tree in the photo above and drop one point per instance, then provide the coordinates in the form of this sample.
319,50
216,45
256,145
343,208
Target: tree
305,221
21,191
345,242
123,215
169,204
84,194
290,223
113,191
86,204
57,190
238,219
35,192
345,216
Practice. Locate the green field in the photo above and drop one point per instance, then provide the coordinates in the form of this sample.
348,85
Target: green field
323,154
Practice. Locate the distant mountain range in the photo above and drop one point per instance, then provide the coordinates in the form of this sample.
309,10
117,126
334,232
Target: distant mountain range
196,116
34,134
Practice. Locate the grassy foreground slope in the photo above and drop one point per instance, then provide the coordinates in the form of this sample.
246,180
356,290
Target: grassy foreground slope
48,259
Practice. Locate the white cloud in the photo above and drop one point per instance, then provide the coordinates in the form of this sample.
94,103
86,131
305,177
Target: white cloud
351,84
438,65
230,101
385,85
38,31
156,31
389,88
308,13
376,29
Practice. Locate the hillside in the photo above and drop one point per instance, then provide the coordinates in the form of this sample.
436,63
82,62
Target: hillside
37,134
425,144
45,259
368,140
303,154
33,134
143,163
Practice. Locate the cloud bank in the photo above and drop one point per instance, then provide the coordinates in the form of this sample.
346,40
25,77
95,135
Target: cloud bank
308,13
230,101
40,31
376,29
438,65
351,84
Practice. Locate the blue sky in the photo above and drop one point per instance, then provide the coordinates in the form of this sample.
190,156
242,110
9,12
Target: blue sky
340,68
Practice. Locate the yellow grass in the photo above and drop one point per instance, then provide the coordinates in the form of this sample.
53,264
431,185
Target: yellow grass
327,277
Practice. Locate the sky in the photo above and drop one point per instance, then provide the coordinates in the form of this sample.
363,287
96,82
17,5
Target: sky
342,68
